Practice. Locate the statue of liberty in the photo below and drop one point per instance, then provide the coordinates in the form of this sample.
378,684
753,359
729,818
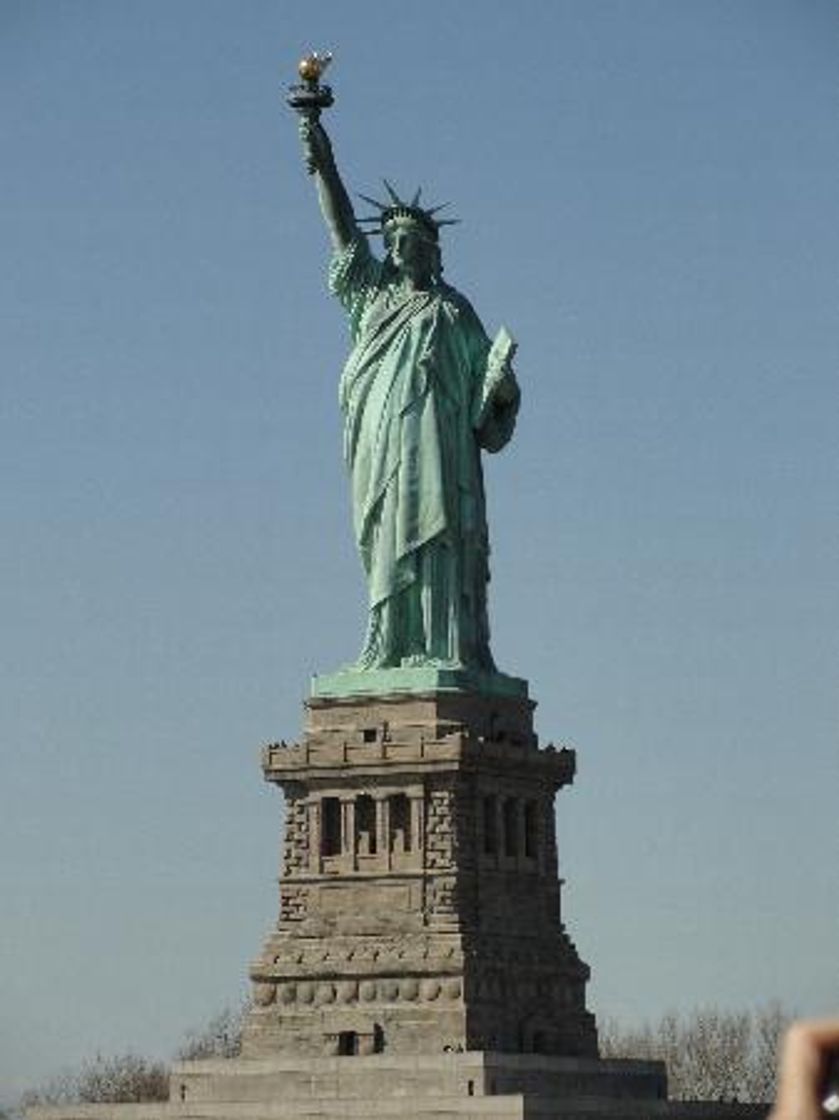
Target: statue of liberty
423,392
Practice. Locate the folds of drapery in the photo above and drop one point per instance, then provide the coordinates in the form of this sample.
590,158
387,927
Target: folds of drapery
411,392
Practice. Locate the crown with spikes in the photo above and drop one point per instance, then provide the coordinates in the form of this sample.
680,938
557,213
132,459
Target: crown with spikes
398,208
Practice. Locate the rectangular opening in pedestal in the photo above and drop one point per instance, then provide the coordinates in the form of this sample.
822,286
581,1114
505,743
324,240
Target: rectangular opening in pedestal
511,846
531,833
330,829
490,826
400,823
365,825
347,1043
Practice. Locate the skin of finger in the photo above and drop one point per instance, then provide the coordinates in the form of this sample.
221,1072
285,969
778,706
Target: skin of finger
805,1048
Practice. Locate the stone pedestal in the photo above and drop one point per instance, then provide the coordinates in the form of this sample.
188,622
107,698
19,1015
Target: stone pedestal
419,967
420,899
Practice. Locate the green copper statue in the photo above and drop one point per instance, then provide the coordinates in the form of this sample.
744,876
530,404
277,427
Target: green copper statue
423,392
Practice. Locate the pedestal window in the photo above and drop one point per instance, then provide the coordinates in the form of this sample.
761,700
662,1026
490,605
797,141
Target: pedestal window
511,829
531,830
365,824
490,825
400,824
330,826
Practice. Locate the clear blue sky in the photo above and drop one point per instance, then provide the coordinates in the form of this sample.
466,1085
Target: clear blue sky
649,200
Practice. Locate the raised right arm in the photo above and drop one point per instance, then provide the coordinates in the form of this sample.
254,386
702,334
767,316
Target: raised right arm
334,201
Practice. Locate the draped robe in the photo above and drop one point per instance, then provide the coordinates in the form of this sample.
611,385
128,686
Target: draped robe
414,393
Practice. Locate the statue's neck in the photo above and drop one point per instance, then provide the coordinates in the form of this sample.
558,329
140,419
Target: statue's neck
408,283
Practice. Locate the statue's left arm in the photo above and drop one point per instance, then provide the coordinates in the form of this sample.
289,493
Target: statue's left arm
500,396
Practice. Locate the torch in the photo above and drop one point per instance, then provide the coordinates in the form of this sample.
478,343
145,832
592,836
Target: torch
309,97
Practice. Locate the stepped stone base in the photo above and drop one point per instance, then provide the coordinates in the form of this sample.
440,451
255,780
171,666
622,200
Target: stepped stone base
474,1085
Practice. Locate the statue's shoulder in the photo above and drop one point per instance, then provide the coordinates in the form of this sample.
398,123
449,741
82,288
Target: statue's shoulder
359,251
458,307
354,269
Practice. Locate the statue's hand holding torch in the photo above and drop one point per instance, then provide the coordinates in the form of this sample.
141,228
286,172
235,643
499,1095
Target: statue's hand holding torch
308,99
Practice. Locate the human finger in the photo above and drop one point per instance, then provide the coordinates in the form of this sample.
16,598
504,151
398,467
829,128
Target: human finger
804,1056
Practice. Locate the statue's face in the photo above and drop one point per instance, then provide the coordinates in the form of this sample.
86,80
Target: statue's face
410,250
